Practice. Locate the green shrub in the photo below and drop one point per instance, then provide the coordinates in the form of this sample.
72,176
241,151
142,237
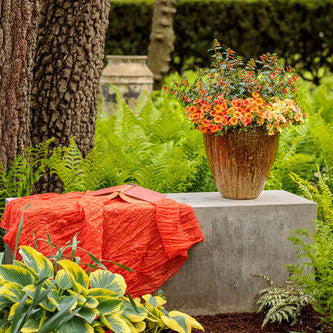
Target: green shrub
299,31
315,276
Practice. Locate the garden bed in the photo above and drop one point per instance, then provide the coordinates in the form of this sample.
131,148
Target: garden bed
251,322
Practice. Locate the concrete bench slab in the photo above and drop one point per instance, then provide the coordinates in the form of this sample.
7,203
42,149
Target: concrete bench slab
242,238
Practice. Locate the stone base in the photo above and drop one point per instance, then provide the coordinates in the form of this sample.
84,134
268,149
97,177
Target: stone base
242,238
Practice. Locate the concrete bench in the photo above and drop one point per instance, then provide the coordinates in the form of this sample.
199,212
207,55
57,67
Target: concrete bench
242,238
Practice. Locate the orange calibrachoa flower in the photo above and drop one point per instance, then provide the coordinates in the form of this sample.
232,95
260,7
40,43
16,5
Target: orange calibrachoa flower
236,94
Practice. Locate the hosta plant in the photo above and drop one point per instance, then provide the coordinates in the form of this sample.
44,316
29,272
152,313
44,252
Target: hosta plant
37,295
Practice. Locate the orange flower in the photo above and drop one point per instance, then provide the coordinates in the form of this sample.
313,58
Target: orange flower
196,101
218,119
203,129
206,123
259,101
218,108
255,94
233,121
204,108
248,115
192,109
213,128
237,114
254,109
224,105
219,127
237,103
213,113
230,110
225,120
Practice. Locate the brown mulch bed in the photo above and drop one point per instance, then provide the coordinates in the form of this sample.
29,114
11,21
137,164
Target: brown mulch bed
251,323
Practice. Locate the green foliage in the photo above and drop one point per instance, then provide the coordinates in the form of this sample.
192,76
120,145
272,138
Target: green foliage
42,295
315,276
152,146
251,27
25,171
282,303
302,148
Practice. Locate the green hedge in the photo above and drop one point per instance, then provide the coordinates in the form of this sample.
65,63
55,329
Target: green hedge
300,31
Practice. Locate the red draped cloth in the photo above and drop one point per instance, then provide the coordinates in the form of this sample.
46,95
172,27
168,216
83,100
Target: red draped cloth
150,238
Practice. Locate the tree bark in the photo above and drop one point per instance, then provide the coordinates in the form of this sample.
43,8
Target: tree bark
67,70
162,39
17,43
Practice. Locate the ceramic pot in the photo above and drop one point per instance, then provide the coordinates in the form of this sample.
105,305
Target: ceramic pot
240,161
130,75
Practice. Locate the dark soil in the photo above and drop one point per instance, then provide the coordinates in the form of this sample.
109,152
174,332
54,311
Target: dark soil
251,322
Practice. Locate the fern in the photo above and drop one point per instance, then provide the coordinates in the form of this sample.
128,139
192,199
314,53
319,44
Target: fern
316,275
283,303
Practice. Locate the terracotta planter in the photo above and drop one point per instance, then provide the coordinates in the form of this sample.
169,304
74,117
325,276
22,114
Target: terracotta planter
241,161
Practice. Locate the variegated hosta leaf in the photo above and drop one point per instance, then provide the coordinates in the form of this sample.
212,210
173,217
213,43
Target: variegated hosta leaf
5,303
12,310
17,274
115,323
32,325
12,291
76,325
107,305
91,302
77,276
35,260
88,314
153,301
65,300
177,324
81,299
102,292
140,326
62,280
107,280
194,323
47,303
129,312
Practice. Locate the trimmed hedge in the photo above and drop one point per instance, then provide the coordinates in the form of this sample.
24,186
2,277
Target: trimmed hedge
299,31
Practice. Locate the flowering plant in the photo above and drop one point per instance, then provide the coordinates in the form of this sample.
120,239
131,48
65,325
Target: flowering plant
234,94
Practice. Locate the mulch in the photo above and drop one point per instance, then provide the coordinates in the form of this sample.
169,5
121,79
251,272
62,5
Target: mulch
251,323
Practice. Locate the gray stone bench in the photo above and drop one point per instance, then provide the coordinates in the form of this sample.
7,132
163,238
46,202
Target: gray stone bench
242,238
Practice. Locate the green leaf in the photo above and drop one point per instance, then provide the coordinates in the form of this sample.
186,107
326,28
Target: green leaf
19,231
108,305
17,274
35,260
77,276
12,291
59,318
88,314
63,280
76,325
115,323
108,280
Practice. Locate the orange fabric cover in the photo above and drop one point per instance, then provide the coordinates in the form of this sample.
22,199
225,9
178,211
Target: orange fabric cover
150,238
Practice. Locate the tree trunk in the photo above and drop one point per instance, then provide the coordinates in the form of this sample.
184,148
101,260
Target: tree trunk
162,39
17,43
67,70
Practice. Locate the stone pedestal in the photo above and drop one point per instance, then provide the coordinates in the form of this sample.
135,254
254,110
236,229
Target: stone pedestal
130,75
242,238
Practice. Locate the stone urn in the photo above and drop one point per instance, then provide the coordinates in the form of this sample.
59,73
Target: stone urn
240,161
130,75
